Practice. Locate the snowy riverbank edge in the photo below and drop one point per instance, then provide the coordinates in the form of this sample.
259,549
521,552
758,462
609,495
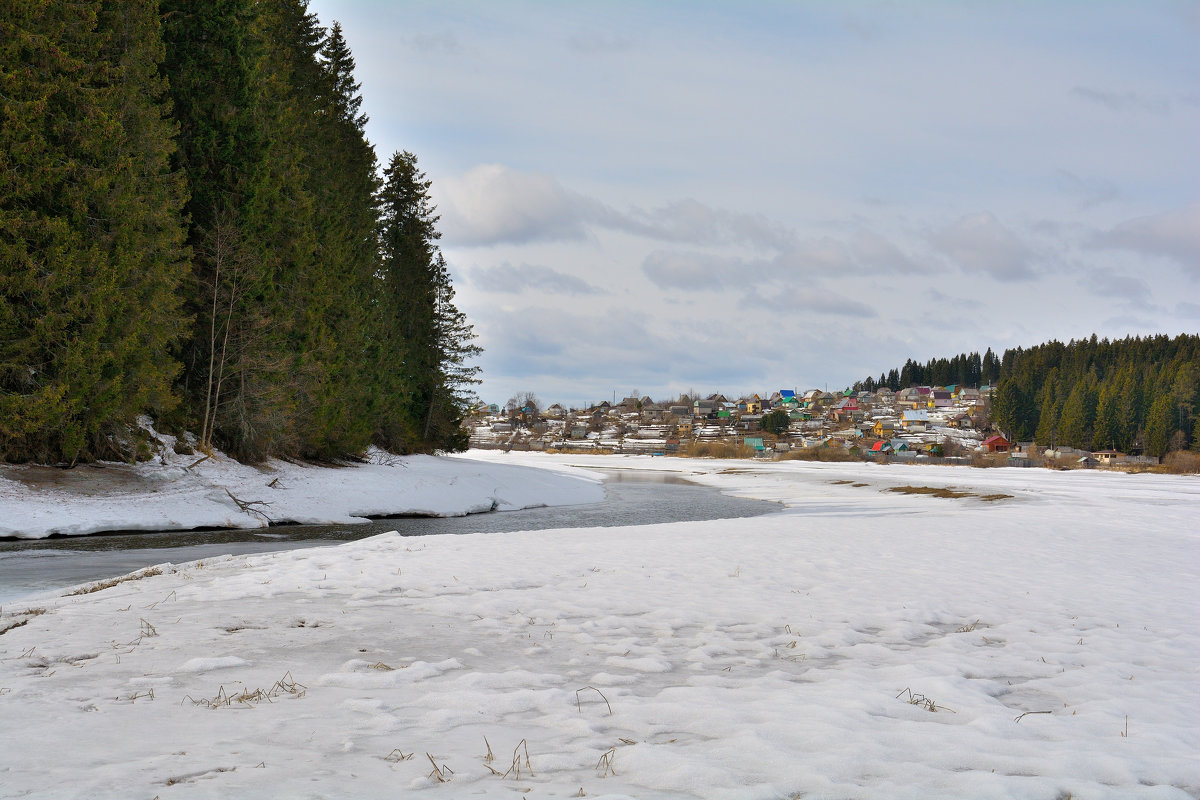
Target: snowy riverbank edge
175,492
864,643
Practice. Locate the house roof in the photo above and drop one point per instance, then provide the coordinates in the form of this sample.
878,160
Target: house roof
997,439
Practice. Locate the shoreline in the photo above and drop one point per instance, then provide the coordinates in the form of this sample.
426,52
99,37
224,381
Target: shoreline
222,494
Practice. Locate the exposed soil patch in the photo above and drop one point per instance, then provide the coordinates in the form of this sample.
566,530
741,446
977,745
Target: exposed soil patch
85,479
946,492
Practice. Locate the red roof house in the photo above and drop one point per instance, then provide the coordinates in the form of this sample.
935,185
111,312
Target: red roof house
997,444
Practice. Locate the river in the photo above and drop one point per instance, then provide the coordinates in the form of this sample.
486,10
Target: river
632,498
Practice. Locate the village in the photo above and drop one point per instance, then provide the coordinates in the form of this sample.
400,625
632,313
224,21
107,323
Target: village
938,424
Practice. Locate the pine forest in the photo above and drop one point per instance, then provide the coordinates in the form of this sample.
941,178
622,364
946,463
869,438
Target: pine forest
193,225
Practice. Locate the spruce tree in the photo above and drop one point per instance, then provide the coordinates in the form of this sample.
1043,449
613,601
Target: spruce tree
1078,415
90,237
425,340
405,353
1160,425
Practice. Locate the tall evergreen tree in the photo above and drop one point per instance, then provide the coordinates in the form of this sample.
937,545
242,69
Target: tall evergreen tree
90,241
428,339
1078,415
406,357
1160,425
337,418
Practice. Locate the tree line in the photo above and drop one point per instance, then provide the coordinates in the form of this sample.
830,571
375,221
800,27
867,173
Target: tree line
966,369
194,225
1129,394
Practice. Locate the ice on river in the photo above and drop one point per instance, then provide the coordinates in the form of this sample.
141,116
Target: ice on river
863,643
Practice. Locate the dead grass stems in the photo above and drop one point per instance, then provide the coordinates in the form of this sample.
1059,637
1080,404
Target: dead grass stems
605,765
440,773
286,685
924,702
1019,717
100,586
579,706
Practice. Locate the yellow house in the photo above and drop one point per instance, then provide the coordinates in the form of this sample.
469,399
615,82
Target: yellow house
753,406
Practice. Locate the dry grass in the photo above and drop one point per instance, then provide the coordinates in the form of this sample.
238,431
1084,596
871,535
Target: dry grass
223,699
22,618
1180,462
922,701
718,449
947,492
100,586
605,764
819,454
579,706
440,773
931,490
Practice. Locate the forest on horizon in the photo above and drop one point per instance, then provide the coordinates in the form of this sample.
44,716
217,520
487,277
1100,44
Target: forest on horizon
1094,394
193,225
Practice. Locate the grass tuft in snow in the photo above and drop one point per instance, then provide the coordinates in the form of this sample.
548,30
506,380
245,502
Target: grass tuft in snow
440,773
579,706
286,685
605,765
924,702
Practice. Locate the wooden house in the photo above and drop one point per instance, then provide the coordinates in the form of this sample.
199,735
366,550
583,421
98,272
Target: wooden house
997,444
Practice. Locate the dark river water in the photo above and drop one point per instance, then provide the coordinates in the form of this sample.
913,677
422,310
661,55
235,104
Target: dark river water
632,498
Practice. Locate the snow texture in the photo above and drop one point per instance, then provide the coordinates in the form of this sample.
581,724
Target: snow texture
861,643
178,492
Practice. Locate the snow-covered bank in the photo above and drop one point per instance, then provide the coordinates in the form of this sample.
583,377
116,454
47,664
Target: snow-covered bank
180,494
863,644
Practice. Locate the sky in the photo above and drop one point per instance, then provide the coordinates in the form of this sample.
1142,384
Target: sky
678,197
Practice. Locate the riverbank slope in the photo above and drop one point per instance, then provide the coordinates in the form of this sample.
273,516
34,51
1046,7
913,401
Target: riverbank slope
176,492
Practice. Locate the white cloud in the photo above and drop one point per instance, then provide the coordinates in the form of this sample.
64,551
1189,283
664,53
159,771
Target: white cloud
1107,283
877,255
1121,102
980,243
694,222
689,270
515,279
807,300
1173,234
492,204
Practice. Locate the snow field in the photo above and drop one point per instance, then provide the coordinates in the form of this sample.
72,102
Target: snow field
861,644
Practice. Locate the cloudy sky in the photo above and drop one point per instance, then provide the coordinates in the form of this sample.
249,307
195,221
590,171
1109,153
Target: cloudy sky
715,196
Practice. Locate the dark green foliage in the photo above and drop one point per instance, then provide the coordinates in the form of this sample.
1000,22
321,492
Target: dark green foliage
775,422
139,136
422,359
90,238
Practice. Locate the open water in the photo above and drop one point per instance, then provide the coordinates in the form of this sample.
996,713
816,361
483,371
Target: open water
632,498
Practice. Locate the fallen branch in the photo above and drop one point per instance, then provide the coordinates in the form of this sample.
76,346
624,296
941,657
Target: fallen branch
248,506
